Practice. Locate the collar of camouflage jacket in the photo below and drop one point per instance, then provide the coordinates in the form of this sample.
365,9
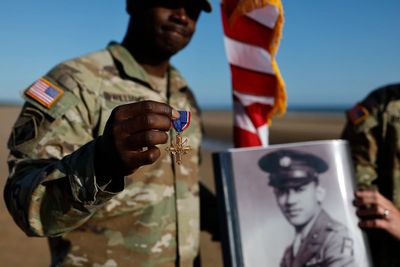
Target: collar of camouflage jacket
132,68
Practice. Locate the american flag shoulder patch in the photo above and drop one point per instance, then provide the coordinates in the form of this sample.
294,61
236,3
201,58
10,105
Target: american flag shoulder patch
358,114
44,92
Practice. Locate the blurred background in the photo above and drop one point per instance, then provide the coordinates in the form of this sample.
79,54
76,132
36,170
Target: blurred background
332,53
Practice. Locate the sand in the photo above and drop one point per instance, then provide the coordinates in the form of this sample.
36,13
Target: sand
17,250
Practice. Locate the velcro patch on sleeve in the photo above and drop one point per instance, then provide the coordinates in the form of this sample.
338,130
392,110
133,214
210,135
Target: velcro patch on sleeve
44,92
358,114
26,127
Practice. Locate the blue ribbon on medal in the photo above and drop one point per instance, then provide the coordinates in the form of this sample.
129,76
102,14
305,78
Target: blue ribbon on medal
183,122
180,147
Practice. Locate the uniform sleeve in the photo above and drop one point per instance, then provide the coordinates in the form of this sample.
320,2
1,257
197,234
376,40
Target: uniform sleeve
363,137
340,250
52,185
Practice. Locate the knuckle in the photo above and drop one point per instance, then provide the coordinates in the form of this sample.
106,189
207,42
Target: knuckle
116,113
148,105
148,138
155,155
152,156
164,137
149,121
120,130
167,124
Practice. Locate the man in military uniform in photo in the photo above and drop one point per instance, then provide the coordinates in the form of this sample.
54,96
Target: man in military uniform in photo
89,162
319,239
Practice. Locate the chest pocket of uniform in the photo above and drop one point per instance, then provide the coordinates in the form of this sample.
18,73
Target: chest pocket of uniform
115,99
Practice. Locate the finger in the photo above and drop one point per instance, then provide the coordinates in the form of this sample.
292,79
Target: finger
366,194
142,122
364,202
133,109
135,159
142,139
372,212
383,201
366,198
370,197
374,224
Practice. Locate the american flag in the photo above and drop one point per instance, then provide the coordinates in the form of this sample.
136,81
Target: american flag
252,33
44,92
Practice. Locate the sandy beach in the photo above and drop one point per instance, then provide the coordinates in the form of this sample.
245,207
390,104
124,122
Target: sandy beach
17,250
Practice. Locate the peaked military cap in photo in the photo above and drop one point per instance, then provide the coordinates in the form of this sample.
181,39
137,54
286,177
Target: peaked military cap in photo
290,168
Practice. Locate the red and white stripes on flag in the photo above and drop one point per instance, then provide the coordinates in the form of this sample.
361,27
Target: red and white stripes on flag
252,33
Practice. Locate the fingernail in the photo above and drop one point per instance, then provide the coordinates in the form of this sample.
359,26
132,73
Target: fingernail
175,114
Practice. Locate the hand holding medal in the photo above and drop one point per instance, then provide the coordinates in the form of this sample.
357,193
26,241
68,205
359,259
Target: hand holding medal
181,146
131,137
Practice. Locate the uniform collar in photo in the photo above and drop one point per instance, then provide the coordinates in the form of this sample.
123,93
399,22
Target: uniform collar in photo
307,228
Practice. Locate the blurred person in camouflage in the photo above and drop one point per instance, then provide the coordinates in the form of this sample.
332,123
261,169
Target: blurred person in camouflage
89,166
373,132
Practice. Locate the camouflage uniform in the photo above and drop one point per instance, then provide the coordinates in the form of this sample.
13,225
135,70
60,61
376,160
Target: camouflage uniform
373,131
150,220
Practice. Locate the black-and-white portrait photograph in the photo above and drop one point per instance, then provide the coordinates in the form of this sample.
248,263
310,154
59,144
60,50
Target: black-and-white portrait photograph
293,206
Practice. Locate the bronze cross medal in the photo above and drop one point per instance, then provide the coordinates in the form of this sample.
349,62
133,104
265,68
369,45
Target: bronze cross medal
180,147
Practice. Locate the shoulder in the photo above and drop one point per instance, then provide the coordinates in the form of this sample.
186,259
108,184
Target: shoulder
382,96
325,220
366,114
339,243
325,225
379,98
336,232
67,90
65,84
82,70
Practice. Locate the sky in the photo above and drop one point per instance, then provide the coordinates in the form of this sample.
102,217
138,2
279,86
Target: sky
332,54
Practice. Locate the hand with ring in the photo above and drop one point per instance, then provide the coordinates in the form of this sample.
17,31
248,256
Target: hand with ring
376,211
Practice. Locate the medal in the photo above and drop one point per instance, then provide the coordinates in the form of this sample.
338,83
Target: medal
181,146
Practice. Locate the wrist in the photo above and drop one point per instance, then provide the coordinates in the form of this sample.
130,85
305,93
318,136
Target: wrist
106,163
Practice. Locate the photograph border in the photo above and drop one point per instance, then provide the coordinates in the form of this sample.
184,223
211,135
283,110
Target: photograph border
232,246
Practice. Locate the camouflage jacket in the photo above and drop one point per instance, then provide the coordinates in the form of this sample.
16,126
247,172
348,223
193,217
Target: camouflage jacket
373,132
153,220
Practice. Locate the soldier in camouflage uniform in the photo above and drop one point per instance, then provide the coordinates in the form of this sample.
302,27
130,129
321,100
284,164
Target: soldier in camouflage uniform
88,162
373,131
320,240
